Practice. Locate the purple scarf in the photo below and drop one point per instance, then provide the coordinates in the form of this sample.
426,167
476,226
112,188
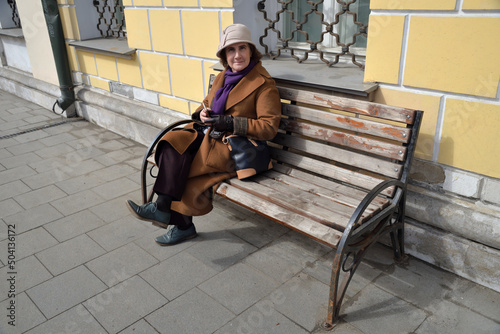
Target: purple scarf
231,79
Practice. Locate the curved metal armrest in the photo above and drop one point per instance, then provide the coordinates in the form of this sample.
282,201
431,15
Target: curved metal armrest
150,150
356,216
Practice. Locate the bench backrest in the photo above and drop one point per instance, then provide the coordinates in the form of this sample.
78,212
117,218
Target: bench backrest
345,140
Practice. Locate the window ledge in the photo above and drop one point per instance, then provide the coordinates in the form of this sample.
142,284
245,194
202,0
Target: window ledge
108,46
12,32
344,79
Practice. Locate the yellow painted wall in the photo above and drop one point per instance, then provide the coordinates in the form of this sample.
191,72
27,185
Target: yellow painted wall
480,4
201,33
413,4
461,58
383,51
155,72
138,28
166,30
470,137
419,101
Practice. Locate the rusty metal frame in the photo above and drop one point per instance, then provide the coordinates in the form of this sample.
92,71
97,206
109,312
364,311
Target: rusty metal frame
313,45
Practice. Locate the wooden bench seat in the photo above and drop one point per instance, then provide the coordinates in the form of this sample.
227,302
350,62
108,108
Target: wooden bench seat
340,171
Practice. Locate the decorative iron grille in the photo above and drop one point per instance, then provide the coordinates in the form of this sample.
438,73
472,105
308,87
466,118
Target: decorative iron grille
15,14
311,42
111,22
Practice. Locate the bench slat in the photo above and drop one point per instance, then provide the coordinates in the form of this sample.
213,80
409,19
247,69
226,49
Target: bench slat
313,229
384,149
323,182
383,111
293,194
346,198
345,157
383,130
298,202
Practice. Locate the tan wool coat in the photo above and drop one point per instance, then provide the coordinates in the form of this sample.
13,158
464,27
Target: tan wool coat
255,105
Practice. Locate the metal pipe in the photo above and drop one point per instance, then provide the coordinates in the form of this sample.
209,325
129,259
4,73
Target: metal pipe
56,35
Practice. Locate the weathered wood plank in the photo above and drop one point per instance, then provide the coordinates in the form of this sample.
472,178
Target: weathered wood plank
333,186
311,228
392,113
288,192
369,127
369,145
347,196
323,168
345,157
291,200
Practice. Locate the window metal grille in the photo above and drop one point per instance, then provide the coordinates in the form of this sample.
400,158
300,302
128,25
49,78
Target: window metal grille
15,14
111,22
298,30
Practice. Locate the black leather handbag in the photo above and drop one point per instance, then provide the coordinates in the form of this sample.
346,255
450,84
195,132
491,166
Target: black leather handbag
250,156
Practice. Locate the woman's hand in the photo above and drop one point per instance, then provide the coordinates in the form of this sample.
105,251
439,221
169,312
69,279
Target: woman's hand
205,115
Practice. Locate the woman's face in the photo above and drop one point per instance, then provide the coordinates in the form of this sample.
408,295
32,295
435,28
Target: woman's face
238,56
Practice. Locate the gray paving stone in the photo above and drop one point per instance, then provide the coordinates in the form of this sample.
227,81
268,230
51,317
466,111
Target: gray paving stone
170,282
27,315
31,136
450,318
40,196
20,160
114,209
258,230
53,140
30,273
124,304
76,184
111,145
4,153
261,318
303,299
65,291
70,254
71,226
478,298
114,157
121,264
220,250
77,202
75,320
193,312
240,280
12,189
14,174
120,232
116,188
60,150
34,217
140,327
33,241
26,148
280,263
373,309
9,207
115,172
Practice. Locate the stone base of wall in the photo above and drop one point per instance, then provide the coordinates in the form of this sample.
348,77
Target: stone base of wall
25,86
457,233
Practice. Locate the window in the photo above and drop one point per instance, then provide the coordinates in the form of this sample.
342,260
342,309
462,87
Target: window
111,22
16,22
328,30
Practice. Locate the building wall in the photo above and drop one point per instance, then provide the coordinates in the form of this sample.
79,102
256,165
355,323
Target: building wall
442,57
176,41
37,41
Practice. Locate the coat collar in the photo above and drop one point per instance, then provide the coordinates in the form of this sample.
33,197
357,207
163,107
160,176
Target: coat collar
249,83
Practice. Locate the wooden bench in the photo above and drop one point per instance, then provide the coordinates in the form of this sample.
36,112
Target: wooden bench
340,171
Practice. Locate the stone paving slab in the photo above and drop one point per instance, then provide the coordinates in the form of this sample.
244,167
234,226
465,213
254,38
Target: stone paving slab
84,264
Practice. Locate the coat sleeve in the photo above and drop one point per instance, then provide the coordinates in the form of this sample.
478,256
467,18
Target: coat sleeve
268,112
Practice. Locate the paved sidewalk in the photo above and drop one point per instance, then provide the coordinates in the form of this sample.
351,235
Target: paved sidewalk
83,264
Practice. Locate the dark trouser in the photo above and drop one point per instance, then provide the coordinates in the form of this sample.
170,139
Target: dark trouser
173,172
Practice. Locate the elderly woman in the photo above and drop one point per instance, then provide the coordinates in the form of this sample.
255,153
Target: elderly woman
193,161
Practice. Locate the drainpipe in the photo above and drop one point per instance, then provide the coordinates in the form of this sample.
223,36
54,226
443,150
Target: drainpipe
56,35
